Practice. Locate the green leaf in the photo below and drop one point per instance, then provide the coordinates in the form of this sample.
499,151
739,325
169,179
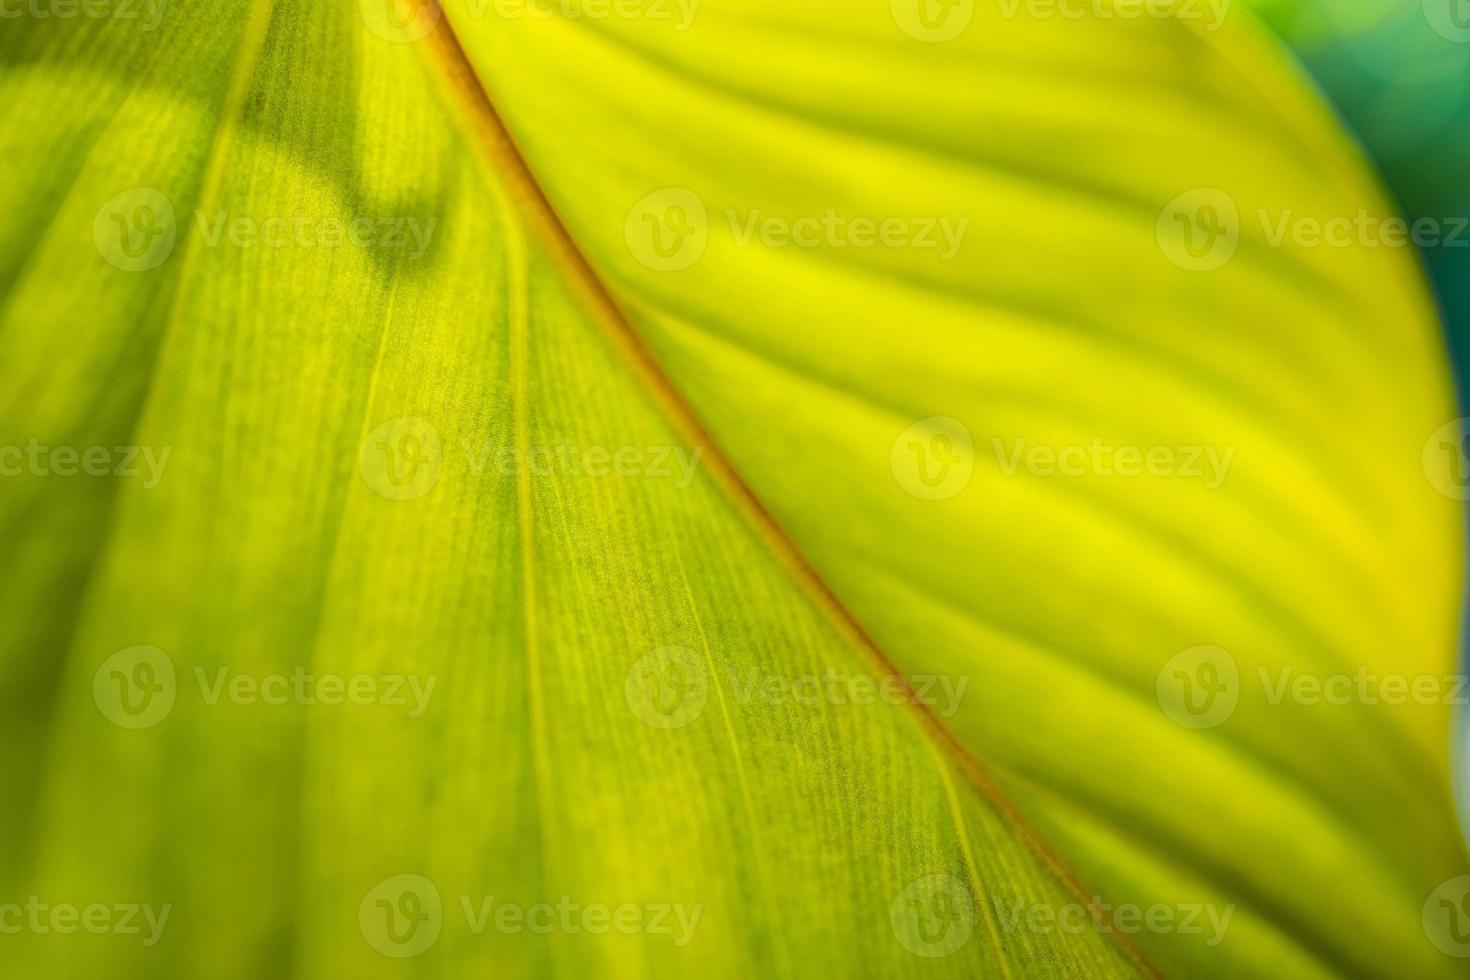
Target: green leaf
1398,70
473,387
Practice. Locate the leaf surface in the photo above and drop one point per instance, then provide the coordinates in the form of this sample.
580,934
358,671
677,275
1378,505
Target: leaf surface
297,528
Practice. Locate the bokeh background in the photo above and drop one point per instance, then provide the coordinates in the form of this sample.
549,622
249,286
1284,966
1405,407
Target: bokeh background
1404,89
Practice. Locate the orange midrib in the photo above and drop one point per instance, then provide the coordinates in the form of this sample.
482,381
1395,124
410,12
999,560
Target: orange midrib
491,132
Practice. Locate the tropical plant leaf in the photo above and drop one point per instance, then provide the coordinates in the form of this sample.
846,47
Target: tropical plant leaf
1399,71
459,389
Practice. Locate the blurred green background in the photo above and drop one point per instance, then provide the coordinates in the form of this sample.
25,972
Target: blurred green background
1399,73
